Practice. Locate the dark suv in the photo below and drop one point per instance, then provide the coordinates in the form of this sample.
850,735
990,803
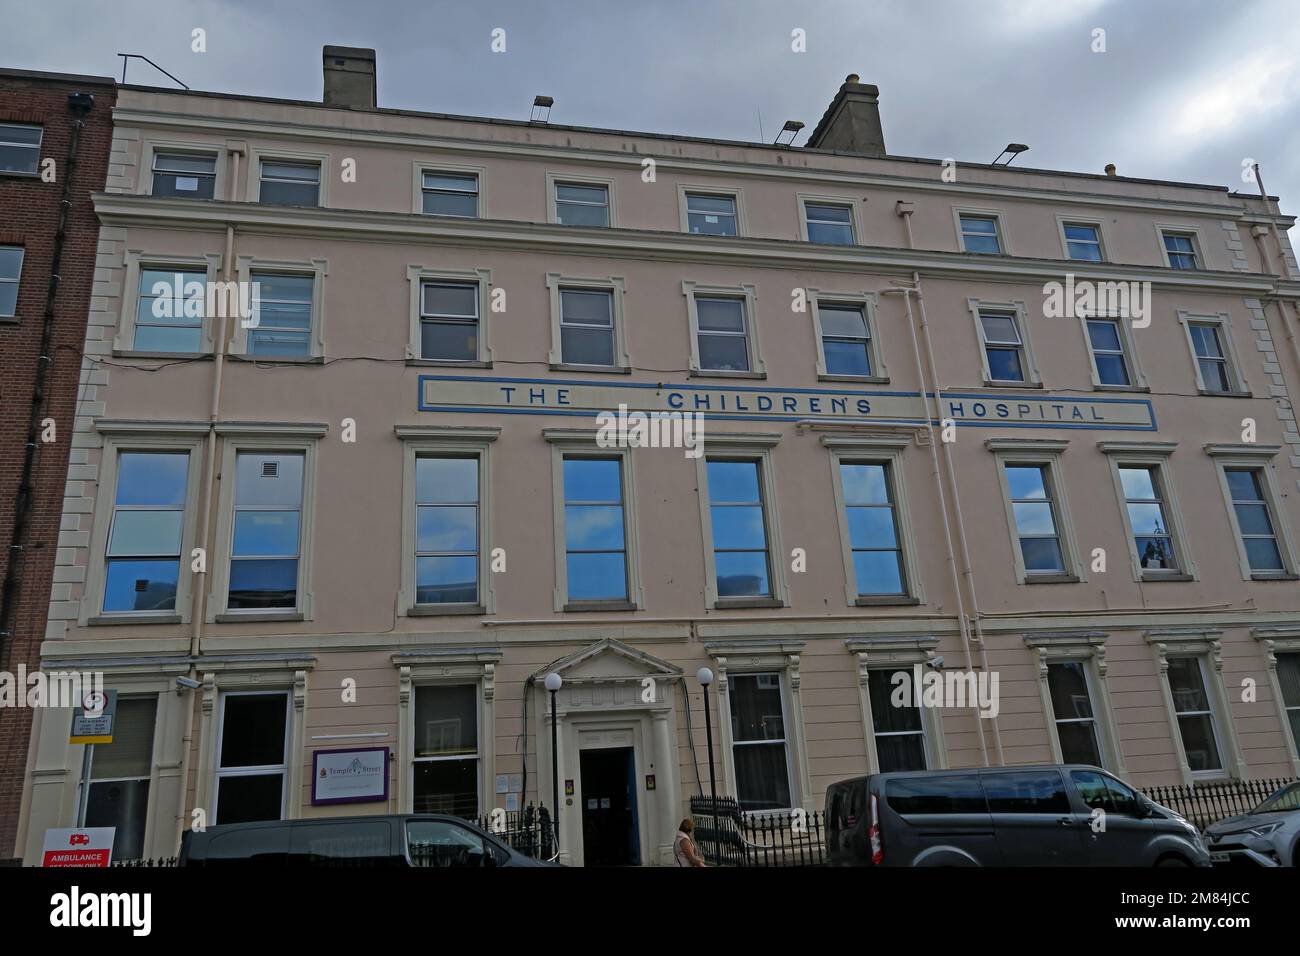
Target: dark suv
1072,815
405,840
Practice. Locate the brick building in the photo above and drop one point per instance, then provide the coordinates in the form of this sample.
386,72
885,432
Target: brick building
55,132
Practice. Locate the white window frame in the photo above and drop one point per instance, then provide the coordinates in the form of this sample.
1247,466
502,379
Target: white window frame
1030,452
435,441
734,193
1182,229
887,451
1103,236
136,261
419,168
866,301
581,443
129,436
444,684
416,276
261,771
1260,458
1236,371
450,666
1284,639
318,269
1153,455
616,286
765,656
213,154
999,222
1087,648
739,446
1124,325
744,292
17,281
1204,645
1021,317
285,439
221,188
554,179
853,205
40,144
257,156
895,653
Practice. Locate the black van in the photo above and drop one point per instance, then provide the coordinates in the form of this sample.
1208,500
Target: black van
1003,816
403,840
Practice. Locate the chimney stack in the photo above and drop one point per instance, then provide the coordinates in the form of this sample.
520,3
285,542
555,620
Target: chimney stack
349,77
852,121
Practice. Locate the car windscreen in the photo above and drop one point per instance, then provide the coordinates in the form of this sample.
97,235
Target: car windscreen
1288,798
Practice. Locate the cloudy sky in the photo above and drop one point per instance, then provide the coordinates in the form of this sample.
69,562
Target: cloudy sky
1185,89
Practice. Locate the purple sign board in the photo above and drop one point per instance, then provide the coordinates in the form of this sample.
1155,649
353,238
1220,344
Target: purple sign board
349,776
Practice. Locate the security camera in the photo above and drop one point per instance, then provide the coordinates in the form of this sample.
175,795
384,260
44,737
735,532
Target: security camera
187,683
935,663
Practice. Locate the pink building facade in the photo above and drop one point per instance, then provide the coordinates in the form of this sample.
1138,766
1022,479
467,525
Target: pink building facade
376,516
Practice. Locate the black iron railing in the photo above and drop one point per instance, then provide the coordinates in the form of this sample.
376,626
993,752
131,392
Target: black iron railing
729,836
1207,803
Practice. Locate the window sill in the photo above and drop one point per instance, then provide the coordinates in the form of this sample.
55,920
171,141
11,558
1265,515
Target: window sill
1051,579
175,356
1149,577
445,363
600,606
109,620
258,617
597,369
1274,576
886,600
862,379
731,604
277,359
724,373
1098,387
10,320
996,383
1217,394
449,610
19,174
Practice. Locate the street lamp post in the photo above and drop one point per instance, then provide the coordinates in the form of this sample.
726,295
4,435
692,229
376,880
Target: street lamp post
705,677
553,683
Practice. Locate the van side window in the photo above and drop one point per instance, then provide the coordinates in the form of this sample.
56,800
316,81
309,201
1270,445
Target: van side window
955,794
359,843
1126,801
1092,788
1026,791
268,846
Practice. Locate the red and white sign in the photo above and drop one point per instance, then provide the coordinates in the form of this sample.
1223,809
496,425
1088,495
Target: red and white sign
86,846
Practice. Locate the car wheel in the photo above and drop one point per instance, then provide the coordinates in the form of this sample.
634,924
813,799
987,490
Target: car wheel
1172,861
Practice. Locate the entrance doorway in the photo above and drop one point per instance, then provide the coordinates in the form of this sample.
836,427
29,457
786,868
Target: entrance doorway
610,831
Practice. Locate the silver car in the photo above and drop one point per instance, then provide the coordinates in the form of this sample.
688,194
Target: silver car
1269,835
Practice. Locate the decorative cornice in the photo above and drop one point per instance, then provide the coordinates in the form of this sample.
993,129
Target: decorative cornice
452,432
121,209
